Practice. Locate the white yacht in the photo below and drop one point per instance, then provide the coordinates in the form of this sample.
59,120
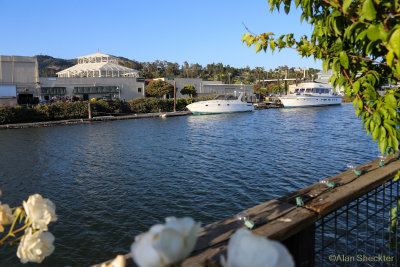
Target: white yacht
221,104
311,95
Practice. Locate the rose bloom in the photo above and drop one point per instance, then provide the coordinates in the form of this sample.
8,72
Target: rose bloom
35,247
247,249
119,261
40,210
6,216
165,244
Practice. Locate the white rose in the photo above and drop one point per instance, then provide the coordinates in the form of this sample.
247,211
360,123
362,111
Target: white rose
165,244
6,216
35,247
119,261
247,249
41,211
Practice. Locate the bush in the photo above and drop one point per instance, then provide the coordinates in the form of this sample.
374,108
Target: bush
79,109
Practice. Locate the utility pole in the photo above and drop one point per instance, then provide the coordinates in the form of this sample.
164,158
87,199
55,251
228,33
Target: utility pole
89,110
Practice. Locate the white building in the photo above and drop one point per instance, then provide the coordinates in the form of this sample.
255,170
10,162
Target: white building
97,65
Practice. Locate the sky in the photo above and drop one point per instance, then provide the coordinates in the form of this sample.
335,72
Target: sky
203,32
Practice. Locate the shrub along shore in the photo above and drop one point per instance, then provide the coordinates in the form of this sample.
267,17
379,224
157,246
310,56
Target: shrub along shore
79,110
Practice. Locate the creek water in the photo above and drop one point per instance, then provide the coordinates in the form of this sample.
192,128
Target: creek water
111,181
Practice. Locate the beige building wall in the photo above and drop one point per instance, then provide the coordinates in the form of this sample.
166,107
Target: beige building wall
21,72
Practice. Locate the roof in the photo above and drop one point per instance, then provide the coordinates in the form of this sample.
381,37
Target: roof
97,62
100,66
95,55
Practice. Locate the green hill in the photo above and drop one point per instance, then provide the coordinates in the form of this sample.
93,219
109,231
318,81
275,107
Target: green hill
49,66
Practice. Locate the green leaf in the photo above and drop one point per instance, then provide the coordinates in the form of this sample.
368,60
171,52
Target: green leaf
361,35
390,99
376,118
395,42
356,87
336,65
383,145
287,6
325,64
360,104
344,59
368,10
346,4
389,58
395,143
375,133
258,47
388,127
244,37
376,32
272,44
382,133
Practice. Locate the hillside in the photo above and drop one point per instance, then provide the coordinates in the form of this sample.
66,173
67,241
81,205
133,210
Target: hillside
49,66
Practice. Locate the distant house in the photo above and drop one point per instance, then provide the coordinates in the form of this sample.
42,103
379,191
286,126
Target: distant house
95,76
19,80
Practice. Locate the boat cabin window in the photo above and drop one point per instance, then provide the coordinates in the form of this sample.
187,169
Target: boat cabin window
296,91
225,97
326,91
308,90
302,90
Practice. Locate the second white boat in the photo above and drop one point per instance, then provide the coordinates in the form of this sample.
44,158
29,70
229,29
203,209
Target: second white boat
311,95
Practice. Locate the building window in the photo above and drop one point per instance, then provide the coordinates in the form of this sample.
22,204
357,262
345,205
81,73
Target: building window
139,90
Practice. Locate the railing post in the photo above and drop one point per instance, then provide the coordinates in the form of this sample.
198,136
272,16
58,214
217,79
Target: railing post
302,247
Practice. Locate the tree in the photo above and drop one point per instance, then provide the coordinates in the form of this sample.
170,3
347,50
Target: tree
257,88
360,41
159,88
188,90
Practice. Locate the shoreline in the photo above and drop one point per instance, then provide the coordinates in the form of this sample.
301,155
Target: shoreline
95,119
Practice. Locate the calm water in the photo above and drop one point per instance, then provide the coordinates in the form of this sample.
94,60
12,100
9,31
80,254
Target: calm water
111,181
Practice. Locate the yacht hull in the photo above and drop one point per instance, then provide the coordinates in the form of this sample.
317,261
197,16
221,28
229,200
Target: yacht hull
310,101
217,106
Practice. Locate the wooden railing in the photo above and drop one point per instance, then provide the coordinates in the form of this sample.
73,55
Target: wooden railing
285,221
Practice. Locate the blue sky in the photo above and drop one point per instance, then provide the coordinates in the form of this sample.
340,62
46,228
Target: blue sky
201,32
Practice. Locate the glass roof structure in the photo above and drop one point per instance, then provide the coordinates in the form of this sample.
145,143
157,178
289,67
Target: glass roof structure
97,65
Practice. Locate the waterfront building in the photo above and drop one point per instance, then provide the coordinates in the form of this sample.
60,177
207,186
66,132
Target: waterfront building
19,80
95,76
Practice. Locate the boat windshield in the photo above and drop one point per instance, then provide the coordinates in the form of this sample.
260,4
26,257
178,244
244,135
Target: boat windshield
225,97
